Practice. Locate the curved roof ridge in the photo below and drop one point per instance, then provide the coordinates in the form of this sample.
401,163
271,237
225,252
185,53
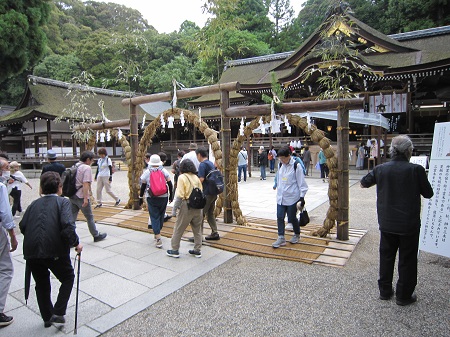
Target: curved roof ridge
417,34
257,59
61,84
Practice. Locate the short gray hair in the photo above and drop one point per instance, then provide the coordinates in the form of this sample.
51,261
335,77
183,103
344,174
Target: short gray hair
401,146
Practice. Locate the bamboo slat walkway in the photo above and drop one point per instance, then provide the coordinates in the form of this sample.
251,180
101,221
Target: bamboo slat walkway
255,239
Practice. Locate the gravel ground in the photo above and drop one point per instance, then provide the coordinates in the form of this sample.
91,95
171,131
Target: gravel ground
251,296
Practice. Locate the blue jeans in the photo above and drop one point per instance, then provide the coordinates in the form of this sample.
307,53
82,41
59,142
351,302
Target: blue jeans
240,169
272,165
156,209
263,171
292,218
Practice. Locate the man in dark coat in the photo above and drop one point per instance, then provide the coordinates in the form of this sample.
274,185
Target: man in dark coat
400,185
49,232
54,165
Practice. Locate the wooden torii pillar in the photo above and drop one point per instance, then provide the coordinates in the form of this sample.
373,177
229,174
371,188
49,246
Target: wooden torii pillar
343,107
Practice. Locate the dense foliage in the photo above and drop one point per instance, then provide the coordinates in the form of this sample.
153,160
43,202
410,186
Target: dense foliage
59,39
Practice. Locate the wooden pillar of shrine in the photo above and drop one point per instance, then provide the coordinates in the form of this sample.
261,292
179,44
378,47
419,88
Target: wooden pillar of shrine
226,147
343,173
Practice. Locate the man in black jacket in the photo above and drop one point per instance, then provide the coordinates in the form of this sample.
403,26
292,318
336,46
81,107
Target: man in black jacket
49,232
399,187
54,165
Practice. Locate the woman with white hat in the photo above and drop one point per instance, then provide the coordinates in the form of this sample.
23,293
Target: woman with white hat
157,193
14,186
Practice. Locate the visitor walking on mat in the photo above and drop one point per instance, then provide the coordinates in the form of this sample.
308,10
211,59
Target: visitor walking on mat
187,181
291,187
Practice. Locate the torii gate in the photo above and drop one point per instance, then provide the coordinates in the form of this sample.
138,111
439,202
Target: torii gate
339,173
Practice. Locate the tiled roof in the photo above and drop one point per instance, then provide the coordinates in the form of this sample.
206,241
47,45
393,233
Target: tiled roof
50,97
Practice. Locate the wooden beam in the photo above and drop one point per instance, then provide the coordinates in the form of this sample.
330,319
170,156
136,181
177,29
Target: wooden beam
295,107
103,125
184,93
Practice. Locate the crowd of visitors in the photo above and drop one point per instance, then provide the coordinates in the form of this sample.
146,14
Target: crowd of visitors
49,229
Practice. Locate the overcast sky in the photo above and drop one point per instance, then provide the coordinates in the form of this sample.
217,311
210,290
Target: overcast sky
167,15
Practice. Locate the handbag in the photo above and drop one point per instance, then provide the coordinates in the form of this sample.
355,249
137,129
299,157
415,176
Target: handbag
303,219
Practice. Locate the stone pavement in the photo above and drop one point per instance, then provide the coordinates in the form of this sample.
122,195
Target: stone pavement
125,274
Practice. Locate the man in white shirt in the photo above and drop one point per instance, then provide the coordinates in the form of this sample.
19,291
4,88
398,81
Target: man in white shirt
191,155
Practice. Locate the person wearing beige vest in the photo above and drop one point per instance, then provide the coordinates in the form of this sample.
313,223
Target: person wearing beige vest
187,181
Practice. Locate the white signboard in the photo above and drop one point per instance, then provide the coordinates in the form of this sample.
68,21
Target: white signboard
419,160
434,232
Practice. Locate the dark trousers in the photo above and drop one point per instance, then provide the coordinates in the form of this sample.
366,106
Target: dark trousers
324,171
407,246
291,212
16,194
63,270
157,209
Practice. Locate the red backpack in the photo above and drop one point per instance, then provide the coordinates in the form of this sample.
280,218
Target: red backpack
157,184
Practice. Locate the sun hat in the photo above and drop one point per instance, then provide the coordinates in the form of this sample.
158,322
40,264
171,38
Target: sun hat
14,164
155,160
51,154
193,146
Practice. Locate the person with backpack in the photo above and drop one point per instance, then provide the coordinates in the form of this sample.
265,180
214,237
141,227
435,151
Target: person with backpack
176,174
158,188
187,182
210,191
81,199
242,163
291,188
48,234
104,177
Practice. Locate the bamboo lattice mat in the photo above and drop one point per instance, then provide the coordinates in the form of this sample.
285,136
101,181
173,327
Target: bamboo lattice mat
255,239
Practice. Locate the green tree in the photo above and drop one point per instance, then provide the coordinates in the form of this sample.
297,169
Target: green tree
282,14
58,67
22,41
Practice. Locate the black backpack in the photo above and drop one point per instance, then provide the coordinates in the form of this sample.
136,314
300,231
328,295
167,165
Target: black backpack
69,180
197,199
215,181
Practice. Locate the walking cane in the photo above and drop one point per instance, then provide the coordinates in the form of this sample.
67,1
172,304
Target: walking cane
78,289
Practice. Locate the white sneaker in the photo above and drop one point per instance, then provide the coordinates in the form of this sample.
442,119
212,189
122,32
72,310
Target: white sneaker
289,227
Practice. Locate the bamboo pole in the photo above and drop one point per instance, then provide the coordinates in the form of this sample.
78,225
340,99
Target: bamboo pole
184,93
226,146
294,107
